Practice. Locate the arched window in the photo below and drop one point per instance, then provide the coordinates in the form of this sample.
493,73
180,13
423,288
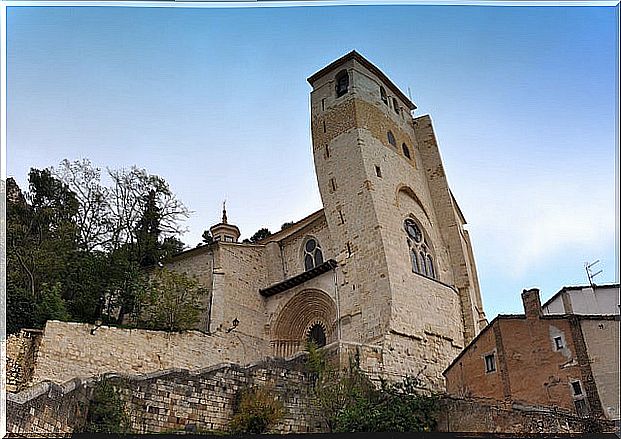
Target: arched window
391,138
316,335
406,150
383,95
313,256
342,83
430,269
395,105
422,261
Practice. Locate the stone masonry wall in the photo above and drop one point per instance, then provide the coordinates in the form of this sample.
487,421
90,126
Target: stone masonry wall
69,350
204,400
471,415
21,351
172,400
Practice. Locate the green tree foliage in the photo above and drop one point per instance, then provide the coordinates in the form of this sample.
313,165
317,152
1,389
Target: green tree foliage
350,402
106,412
76,244
260,234
52,306
207,238
172,302
287,225
257,411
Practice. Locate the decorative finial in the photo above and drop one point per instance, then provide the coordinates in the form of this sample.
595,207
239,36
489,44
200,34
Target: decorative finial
224,220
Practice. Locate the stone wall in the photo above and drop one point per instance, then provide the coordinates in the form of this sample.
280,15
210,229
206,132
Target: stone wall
48,407
470,415
69,350
21,350
204,400
170,401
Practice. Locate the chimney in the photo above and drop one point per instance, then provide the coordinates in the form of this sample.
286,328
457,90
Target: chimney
532,303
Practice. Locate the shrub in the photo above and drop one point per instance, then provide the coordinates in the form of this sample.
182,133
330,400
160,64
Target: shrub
106,412
350,402
257,411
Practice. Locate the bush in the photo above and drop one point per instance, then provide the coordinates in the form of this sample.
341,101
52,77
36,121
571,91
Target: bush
350,402
257,411
106,411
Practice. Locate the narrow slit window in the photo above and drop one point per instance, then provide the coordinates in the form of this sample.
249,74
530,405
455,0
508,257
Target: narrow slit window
391,138
395,105
333,184
378,171
406,151
383,95
490,363
327,151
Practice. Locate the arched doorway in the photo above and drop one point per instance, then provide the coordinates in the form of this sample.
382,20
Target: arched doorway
309,315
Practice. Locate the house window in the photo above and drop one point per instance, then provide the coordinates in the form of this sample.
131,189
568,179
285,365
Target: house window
490,363
582,409
420,254
313,256
558,343
395,105
576,388
406,151
342,83
383,95
391,138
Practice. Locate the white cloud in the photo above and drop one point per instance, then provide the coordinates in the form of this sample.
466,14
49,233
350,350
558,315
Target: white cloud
522,228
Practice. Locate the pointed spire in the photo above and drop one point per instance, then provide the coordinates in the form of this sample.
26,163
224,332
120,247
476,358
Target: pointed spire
224,219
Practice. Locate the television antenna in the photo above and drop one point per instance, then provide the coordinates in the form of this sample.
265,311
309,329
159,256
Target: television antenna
588,267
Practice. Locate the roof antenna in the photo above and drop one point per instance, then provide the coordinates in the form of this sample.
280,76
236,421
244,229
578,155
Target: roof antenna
590,275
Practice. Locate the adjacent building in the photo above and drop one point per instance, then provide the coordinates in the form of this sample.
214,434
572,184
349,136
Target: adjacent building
567,360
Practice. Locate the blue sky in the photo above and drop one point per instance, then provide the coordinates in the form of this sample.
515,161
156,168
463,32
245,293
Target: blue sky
523,99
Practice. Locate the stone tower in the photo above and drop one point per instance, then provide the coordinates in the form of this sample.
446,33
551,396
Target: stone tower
407,277
223,231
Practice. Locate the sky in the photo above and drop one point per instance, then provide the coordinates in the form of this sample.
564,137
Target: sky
524,102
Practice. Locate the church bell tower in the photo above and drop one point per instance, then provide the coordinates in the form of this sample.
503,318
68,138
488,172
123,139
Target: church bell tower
407,275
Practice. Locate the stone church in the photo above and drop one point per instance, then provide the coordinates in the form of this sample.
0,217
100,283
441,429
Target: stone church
385,269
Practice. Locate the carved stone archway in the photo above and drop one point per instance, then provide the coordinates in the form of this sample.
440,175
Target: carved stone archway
300,318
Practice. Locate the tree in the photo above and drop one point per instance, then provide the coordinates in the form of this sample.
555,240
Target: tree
172,302
287,225
52,306
130,199
92,218
207,238
260,235
106,411
41,240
